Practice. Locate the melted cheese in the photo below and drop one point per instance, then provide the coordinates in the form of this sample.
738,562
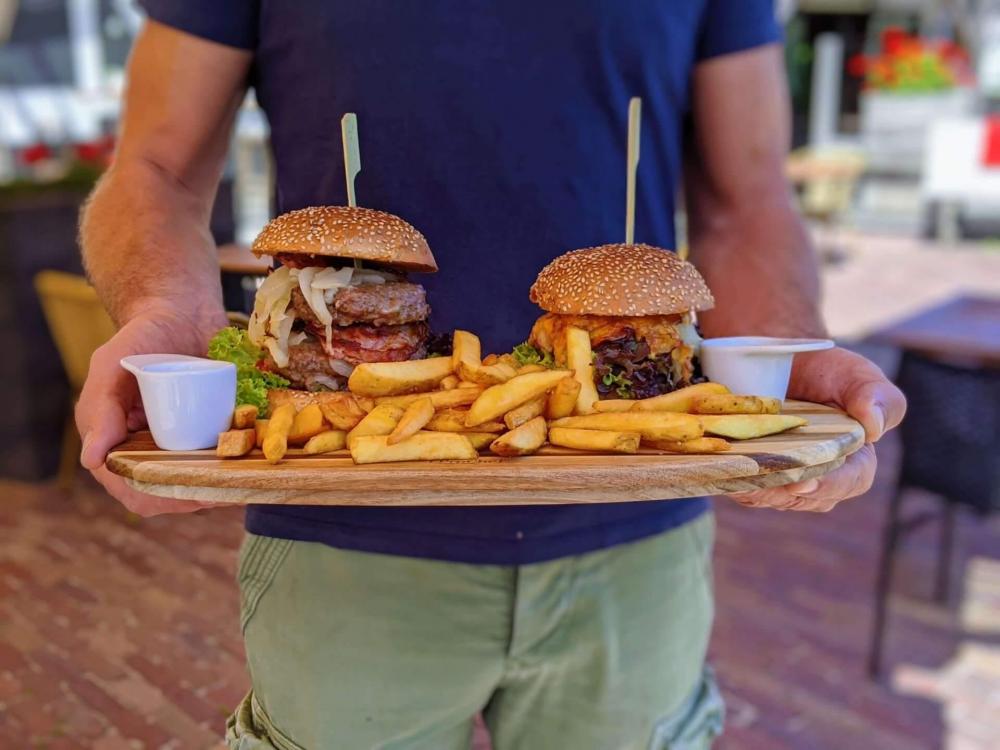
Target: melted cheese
659,331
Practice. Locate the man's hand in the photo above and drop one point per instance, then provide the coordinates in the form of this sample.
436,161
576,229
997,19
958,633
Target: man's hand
145,232
109,406
850,382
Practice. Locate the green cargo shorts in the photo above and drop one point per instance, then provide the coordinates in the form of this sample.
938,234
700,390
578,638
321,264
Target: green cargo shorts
600,651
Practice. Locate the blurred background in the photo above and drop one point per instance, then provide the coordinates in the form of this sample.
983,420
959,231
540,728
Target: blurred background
875,627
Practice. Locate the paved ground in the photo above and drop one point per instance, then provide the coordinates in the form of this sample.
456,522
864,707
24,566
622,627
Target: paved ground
881,279
118,633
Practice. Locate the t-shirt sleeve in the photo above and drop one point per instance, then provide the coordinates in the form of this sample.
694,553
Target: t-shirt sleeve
229,22
736,25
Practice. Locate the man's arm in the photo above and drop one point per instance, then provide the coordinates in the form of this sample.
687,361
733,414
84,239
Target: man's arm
751,245
145,231
746,236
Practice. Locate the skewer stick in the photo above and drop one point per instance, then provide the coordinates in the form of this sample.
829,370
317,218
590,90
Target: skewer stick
352,158
352,153
632,164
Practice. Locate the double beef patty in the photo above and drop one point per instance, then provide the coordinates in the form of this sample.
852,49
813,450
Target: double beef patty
389,304
371,323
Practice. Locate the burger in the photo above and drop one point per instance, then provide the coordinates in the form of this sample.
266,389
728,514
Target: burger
637,304
339,294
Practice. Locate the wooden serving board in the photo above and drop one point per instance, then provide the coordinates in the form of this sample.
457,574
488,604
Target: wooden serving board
554,475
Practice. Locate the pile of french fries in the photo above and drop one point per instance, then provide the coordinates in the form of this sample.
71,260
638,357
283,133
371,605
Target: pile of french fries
450,408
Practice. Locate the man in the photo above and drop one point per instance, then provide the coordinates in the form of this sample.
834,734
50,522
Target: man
497,129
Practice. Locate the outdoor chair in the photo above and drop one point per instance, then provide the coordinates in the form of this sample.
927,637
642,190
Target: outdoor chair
79,324
951,448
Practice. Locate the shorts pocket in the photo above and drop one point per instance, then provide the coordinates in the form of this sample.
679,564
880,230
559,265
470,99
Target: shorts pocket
261,558
250,729
696,724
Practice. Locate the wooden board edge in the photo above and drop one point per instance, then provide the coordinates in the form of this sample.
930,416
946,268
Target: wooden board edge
542,496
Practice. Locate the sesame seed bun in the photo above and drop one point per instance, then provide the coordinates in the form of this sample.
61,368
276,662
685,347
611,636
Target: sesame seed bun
620,280
347,232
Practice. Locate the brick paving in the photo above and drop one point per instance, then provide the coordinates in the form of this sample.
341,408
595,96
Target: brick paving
122,633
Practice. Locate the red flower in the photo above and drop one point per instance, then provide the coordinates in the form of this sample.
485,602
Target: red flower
857,65
96,152
894,40
34,154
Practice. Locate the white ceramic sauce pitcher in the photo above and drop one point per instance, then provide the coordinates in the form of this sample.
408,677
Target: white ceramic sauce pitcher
755,365
188,400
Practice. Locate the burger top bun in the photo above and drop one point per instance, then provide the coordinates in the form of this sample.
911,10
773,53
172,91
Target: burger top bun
347,232
620,280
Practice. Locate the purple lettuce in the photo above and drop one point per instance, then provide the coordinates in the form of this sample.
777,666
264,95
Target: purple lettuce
625,369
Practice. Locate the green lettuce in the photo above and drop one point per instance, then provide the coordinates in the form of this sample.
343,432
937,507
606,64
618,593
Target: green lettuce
233,345
621,385
526,354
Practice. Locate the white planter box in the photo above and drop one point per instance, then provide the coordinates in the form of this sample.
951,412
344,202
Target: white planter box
894,125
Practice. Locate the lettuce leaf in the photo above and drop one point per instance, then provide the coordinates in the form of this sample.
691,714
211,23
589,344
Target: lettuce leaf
526,354
621,385
233,345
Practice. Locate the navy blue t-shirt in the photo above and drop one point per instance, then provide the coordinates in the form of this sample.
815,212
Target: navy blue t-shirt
497,128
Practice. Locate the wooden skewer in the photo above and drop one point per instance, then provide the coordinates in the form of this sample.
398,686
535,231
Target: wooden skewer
632,164
352,153
352,158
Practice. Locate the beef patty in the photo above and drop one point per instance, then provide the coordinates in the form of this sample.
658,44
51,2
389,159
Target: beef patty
389,304
309,362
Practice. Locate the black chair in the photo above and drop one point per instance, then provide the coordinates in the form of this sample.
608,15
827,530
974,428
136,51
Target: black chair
951,448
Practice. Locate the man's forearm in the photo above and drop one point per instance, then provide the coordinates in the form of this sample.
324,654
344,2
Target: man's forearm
147,247
761,267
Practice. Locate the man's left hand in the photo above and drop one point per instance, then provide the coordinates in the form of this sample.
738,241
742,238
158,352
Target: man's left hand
850,382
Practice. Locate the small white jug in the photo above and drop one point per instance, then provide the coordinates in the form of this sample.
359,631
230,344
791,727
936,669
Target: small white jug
188,400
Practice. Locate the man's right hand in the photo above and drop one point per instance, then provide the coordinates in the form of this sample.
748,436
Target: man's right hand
109,405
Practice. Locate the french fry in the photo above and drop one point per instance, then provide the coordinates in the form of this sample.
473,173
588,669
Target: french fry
424,446
279,396
308,422
326,442
562,399
598,441
342,413
614,405
417,415
490,359
728,403
468,384
525,412
379,421
260,428
497,400
275,443
698,445
394,378
234,443
749,426
244,416
480,440
525,369
499,372
521,441
462,396
680,400
580,359
651,425
453,420
301,399
509,360
449,383
466,353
